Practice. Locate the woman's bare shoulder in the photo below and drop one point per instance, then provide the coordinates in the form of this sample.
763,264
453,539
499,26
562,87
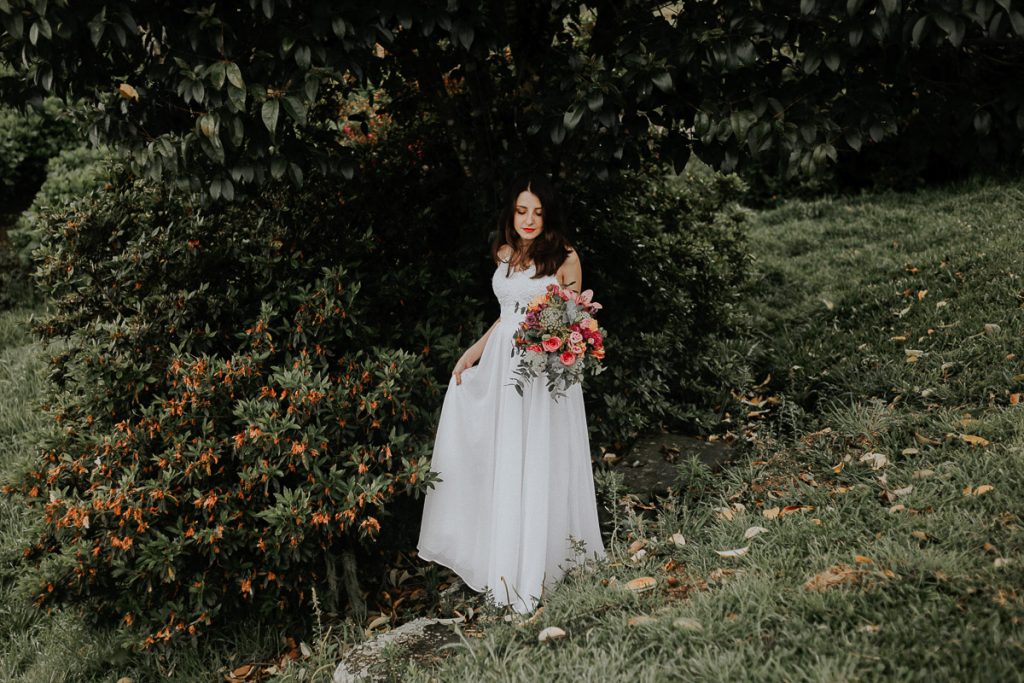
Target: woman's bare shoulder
505,252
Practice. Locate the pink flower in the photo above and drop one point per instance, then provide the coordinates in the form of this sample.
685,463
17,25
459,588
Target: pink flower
551,343
567,358
575,337
536,348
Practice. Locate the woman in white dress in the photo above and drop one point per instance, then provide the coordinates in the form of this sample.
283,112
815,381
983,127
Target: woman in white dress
515,502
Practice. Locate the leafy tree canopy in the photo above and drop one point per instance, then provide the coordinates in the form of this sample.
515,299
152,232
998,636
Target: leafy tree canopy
233,93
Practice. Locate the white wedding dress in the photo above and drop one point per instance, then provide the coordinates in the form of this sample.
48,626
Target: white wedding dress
516,480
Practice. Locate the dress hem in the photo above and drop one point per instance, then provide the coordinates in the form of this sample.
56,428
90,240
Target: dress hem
459,573
429,558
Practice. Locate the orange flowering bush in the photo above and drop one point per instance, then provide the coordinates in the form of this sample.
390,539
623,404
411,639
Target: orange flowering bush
225,425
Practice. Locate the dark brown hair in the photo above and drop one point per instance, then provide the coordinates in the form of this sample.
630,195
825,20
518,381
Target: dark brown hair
549,249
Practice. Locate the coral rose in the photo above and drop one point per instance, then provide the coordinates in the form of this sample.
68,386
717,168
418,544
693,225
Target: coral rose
567,358
551,343
536,348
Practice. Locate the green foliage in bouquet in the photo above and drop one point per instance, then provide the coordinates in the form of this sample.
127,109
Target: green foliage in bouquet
227,429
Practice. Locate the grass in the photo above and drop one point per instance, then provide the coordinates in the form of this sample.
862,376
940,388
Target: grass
869,315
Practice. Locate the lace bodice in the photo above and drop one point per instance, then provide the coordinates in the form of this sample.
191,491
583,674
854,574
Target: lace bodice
519,287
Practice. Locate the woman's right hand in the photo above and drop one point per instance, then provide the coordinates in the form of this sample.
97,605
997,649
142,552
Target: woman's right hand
460,367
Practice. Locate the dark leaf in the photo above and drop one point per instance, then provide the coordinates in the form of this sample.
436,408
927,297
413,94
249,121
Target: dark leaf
234,75
269,112
1017,20
572,118
663,80
296,109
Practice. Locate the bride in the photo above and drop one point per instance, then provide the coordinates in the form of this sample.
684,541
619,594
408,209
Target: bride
514,506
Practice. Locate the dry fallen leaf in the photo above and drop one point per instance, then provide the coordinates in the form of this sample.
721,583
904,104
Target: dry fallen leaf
242,672
870,628
753,531
979,491
923,474
636,546
642,620
641,584
790,509
771,513
379,621
975,440
688,624
1002,562
923,440
920,535
902,491
898,507
678,539
833,576
720,575
551,633
736,552
839,468
876,460
861,559
730,512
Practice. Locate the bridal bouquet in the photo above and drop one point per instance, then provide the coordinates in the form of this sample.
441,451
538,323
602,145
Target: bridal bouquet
560,336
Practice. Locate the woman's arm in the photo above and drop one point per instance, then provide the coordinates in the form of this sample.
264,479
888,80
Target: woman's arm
570,274
472,354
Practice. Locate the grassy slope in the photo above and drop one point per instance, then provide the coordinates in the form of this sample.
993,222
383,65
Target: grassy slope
838,304
836,291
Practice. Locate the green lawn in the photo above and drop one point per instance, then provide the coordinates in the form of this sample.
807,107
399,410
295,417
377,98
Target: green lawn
891,327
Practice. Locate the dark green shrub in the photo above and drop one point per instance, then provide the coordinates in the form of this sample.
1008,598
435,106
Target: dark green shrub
70,177
229,426
665,256
27,140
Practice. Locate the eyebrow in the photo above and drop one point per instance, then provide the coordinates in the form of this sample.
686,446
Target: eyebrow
520,206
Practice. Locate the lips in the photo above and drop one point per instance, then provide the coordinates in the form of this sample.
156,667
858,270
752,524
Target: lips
529,229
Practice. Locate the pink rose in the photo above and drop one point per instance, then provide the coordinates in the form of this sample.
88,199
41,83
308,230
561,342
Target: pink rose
536,348
575,337
567,358
551,343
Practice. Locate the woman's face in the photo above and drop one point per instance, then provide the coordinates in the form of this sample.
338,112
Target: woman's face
529,218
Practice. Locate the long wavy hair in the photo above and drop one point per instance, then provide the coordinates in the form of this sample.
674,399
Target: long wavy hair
549,249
